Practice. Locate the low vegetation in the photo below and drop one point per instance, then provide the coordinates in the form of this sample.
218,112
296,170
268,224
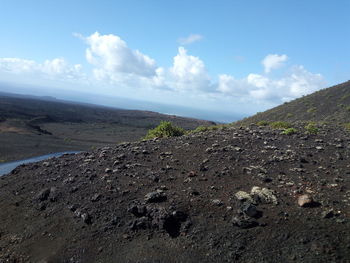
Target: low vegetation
289,131
311,128
280,125
262,123
210,128
163,130
312,110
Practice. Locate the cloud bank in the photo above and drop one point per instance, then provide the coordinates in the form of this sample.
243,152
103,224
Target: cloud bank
52,69
118,66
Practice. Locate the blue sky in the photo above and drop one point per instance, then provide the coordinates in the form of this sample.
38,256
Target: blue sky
228,57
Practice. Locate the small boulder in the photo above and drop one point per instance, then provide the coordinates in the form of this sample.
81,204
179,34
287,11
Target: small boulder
137,210
250,210
264,195
155,197
305,201
243,196
95,197
328,213
244,222
86,218
139,223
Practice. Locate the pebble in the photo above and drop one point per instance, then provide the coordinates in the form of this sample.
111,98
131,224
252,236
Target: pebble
217,202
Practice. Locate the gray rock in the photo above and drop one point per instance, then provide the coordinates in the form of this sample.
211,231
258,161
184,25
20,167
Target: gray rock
250,210
244,222
86,218
137,210
43,194
217,202
244,196
328,213
155,197
95,197
139,223
264,195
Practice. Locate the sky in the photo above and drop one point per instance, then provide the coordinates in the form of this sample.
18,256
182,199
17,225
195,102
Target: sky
227,58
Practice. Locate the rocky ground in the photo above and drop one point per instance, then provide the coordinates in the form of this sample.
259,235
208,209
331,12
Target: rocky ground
233,195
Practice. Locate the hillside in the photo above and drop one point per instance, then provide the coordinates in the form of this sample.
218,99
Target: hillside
231,195
31,126
327,105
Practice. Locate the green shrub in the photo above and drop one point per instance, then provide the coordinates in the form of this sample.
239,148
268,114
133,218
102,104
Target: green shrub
311,128
201,129
345,97
210,128
218,127
347,126
289,131
262,123
348,108
290,115
280,125
165,129
312,110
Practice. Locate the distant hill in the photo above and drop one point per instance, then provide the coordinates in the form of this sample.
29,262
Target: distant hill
328,105
23,107
31,126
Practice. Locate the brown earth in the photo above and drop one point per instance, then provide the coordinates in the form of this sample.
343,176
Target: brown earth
185,199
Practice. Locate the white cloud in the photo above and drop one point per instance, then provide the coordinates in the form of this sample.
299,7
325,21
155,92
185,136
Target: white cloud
57,67
297,82
227,84
111,56
115,62
122,70
190,39
17,65
273,61
188,72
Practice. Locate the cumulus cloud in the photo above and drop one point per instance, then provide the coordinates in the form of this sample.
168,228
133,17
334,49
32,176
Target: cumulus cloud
188,72
57,67
229,85
190,39
111,56
295,83
114,60
121,68
273,61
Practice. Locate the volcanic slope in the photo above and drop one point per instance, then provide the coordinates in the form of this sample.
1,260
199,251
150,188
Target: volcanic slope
232,195
327,105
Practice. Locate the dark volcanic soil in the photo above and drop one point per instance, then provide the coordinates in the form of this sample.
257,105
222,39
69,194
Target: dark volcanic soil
185,199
